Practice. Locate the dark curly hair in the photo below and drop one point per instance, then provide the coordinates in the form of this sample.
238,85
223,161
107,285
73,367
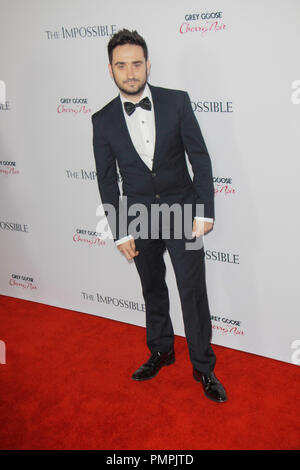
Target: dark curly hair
124,36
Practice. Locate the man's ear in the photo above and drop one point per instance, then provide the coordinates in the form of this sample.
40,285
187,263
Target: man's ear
148,64
110,70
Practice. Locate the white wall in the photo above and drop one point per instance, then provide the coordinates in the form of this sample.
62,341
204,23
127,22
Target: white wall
47,171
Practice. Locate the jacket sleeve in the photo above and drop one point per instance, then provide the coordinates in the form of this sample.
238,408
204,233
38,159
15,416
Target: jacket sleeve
107,177
199,158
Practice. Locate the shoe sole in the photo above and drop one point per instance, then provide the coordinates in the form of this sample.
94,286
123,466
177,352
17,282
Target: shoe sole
207,396
169,363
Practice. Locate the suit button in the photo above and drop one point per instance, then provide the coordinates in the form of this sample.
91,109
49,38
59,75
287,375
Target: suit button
153,174
157,196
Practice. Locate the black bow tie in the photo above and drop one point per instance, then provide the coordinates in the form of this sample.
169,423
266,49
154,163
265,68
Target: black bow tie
145,103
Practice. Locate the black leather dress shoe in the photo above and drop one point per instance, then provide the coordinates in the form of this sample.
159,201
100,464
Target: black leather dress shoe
213,389
151,368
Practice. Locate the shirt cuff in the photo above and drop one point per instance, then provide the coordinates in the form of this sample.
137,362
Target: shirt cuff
205,219
124,239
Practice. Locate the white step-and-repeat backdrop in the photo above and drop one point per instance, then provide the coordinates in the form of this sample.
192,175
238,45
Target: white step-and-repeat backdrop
238,60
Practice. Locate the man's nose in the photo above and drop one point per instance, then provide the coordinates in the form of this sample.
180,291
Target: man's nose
130,72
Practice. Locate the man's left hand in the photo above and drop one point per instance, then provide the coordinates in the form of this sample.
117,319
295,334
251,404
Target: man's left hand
200,227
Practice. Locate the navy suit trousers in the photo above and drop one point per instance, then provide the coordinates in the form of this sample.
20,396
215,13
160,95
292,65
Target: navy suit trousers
189,269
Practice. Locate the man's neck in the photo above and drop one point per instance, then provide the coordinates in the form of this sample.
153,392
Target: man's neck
133,98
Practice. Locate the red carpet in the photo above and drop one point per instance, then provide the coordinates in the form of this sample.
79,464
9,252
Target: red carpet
66,385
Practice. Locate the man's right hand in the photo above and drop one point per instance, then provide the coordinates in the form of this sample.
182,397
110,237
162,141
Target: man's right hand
128,249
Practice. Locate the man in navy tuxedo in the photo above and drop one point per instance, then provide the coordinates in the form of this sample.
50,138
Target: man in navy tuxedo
145,132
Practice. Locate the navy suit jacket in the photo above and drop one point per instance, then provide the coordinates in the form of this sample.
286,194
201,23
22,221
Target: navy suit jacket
169,181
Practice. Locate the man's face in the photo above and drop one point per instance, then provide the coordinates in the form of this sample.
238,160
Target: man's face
129,69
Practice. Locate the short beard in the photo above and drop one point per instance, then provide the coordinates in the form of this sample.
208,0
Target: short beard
132,93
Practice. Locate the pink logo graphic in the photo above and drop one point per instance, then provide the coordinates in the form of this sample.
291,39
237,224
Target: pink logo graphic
92,240
223,186
73,110
22,281
204,28
8,170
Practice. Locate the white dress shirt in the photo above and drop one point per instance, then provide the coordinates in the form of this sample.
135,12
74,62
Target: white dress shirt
141,127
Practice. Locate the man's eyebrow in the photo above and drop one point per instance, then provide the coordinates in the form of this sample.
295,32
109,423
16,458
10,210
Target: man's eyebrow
133,62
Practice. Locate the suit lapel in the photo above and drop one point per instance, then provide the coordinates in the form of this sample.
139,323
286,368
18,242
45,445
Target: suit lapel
157,116
161,116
